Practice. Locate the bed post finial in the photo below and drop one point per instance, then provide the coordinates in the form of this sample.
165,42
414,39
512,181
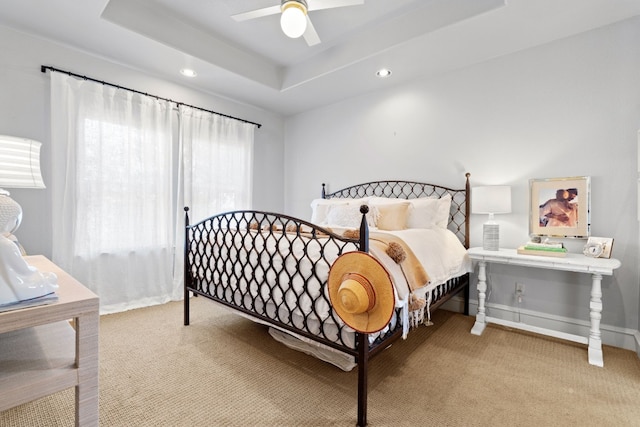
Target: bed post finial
324,194
186,274
467,210
364,229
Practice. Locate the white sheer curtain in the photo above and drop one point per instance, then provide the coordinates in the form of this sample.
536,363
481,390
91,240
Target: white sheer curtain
113,192
216,169
116,186
218,163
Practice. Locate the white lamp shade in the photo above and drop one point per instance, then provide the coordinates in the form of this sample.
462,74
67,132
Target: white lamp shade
293,19
492,199
20,163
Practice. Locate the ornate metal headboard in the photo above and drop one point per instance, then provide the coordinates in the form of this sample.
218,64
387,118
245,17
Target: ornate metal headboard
460,199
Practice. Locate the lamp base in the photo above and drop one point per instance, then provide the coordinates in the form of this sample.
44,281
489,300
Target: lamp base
490,237
10,213
21,282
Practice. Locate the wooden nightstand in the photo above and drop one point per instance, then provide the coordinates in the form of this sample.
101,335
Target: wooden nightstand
40,353
597,267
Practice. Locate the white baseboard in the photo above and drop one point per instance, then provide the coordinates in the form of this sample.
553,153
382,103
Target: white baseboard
628,339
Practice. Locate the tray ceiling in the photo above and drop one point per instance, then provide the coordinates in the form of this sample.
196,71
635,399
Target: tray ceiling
255,63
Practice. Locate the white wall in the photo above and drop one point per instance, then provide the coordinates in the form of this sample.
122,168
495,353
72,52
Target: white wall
569,108
24,112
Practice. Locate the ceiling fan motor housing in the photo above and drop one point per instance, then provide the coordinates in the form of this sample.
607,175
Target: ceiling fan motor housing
300,4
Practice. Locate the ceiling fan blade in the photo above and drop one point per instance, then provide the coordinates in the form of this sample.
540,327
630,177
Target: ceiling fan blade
310,35
330,4
258,13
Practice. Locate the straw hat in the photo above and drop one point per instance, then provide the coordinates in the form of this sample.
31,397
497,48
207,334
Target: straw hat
361,292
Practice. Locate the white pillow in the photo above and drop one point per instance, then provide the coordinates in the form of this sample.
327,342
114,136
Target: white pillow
428,212
444,210
348,215
319,208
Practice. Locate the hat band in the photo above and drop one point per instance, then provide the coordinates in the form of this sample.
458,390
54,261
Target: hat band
356,294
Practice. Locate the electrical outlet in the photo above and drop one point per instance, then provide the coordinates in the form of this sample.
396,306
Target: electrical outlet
519,292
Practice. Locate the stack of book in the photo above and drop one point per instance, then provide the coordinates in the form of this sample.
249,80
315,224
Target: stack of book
543,249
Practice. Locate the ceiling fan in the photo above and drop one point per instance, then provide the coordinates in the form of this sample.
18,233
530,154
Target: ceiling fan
295,21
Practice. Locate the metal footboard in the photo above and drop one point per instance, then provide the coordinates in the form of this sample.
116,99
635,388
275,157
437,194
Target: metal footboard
269,266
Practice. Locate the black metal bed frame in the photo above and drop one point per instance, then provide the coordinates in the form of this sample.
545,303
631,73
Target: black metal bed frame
227,260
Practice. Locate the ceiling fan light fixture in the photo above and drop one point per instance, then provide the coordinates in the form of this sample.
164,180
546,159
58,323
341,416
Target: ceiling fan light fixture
294,18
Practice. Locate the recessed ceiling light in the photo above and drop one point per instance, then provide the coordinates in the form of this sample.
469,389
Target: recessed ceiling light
188,72
383,73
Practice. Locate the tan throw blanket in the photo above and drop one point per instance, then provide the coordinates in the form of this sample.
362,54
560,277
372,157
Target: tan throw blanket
383,244
412,268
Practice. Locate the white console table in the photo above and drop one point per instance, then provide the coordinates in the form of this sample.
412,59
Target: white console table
40,353
578,263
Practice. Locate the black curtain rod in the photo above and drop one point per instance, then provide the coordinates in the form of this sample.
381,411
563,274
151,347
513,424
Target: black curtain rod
44,68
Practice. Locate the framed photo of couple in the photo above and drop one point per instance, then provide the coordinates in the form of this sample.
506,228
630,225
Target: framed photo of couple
560,207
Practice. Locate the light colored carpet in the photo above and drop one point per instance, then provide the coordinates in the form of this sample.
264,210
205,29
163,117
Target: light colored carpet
224,370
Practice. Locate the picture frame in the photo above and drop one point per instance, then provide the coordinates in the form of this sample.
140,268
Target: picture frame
560,207
605,245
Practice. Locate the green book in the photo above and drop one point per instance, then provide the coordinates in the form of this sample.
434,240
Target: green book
549,249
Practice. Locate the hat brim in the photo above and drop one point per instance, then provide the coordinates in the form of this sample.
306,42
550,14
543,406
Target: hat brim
378,316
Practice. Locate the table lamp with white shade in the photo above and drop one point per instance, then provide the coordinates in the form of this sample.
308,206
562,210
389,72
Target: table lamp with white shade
19,168
492,199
